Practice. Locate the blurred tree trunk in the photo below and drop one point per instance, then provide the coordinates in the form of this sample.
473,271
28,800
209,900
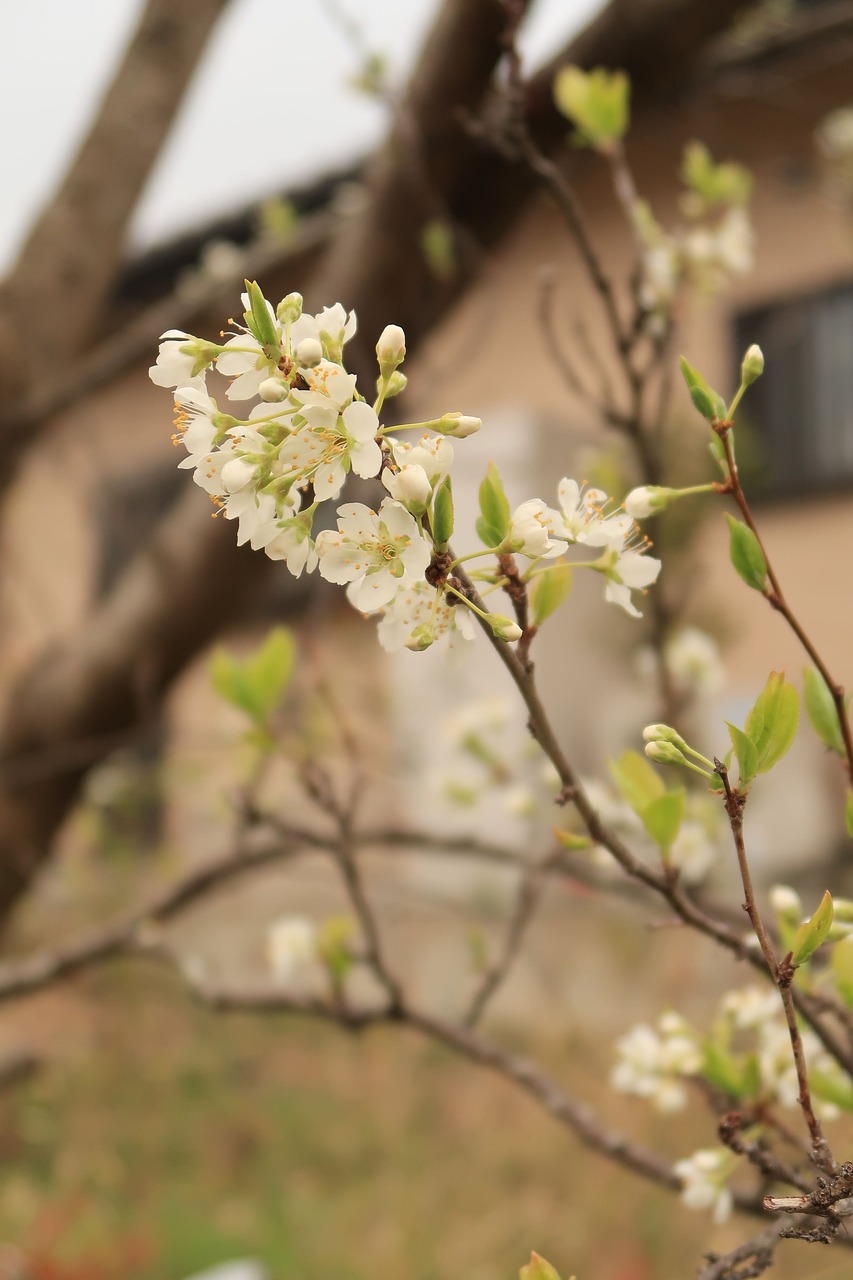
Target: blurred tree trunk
191,580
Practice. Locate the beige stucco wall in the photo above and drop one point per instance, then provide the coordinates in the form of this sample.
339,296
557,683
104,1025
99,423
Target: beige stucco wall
490,358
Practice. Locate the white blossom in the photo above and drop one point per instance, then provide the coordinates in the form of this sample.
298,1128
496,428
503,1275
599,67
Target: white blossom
176,359
529,529
291,944
373,552
626,571
653,1063
418,614
433,453
703,1179
410,485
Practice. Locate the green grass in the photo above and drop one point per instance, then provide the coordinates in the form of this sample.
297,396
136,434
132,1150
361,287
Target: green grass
184,1139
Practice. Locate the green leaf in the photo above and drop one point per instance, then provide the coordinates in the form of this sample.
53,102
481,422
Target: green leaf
841,964
548,590
258,317
772,723
572,841
538,1269
442,514
746,753
746,554
822,711
596,102
256,685
638,783
715,184
438,246
229,680
836,1088
705,399
813,933
725,1070
662,817
493,526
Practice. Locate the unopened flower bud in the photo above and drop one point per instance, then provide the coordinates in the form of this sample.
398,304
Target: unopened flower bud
308,353
395,384
236,474
272,390
752,366
504,628
646,501
458,425
390,349
664,753
290,308
663,733
421,638
410,485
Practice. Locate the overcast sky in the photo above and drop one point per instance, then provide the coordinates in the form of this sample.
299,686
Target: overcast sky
285,60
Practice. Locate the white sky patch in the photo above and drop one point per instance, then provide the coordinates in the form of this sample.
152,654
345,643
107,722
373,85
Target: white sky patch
270,106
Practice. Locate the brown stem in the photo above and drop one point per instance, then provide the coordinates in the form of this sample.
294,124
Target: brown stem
776,599
782,974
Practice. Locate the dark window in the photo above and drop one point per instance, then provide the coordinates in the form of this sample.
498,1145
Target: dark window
799,415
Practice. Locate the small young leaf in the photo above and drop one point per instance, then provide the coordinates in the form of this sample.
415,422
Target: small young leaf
662,817
821,710
813,933
705,399
835,1088
548,590
595,101
637,781
494,523
725,1070
570,840
442,514
772,723
269,670
256,685
258,317
746,753
229,681
746,554
538,1269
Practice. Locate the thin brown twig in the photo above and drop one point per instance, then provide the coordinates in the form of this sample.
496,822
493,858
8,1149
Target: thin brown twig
528,895
782,974
775,597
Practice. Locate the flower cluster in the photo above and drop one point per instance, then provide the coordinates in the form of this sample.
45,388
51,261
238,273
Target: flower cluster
704,1177
653,1063
747,1054
309,428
